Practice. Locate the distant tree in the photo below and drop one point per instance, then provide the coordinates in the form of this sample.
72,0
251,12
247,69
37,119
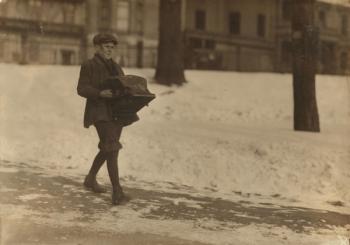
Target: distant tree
170,62
305,45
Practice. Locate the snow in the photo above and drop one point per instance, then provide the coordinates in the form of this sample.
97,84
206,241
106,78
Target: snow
223,133
33,196
338,2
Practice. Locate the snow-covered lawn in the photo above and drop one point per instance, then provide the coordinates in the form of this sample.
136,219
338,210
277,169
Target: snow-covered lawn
224,132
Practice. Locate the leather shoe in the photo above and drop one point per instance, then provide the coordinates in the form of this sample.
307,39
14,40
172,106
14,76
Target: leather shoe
117,196
91,183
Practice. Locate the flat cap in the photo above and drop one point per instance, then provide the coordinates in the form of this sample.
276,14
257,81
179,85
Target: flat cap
104,38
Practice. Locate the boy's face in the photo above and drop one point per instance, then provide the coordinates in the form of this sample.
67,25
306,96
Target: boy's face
106,50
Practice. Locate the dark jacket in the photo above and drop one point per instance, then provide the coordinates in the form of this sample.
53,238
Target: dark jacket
92,73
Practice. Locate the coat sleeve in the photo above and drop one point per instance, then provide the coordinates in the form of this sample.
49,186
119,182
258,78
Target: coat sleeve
85,88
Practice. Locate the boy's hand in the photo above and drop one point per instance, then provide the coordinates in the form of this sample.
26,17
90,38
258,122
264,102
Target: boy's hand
127,91
107,93
116,93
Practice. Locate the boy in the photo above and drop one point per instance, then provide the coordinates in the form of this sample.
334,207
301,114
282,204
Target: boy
98,112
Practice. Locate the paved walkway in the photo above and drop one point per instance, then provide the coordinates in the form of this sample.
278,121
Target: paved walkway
27,187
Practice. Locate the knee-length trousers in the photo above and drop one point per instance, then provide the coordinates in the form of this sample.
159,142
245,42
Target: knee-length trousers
109,133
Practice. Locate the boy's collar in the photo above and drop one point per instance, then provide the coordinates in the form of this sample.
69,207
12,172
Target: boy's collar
102,58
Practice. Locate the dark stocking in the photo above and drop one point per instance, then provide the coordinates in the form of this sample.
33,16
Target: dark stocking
97,163
112,166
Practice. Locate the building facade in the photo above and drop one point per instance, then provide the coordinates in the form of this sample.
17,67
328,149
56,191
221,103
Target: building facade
41,32
250,35
61,31
255,35
332,21
230,35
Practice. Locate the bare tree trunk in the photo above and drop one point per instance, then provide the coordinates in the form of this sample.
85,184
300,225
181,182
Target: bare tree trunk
170,64
305,45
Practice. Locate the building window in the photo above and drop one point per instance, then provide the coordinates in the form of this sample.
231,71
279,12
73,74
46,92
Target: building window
344,61
3,7
104,13
261,25
286,9
34,9
68,13
209,44
286,52
344,25
234,22
2,49
322,18
123,16
328,56
35,3
200,20
54,56
67,57
34,51
16,57
139,17
195,43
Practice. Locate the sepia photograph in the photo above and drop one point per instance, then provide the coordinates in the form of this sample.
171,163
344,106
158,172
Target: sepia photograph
175,122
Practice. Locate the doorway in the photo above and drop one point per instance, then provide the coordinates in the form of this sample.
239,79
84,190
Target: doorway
67,57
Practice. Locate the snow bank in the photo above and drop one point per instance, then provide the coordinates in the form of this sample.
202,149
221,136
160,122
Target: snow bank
224,131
